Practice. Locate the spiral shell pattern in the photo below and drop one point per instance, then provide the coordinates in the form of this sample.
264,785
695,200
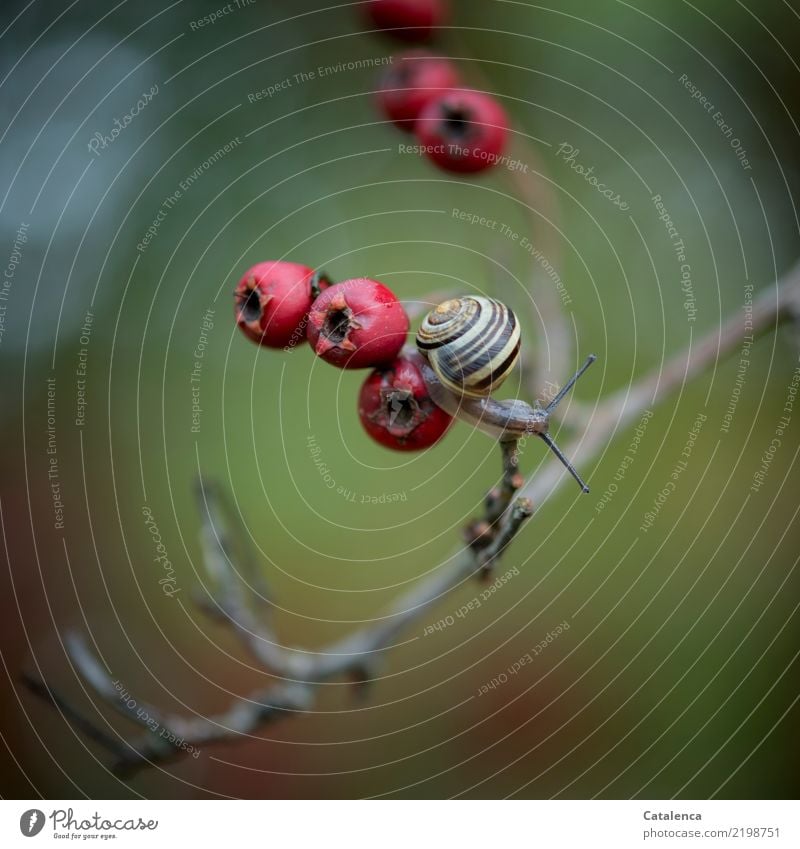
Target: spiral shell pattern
472,343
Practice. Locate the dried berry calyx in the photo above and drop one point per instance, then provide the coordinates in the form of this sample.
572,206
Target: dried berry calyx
396,410
400,412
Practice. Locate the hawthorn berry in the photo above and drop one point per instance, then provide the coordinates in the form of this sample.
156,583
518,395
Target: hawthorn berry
463,130
411,82
272,301
410,20
357,324
396,410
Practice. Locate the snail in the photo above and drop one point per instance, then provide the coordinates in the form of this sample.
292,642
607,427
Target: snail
467,347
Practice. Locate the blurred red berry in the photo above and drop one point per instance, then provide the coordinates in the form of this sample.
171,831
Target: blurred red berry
414,79
410,20
396,410
463,130
272,301
357,324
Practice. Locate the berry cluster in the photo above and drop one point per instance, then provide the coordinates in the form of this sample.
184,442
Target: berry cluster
357,323
458,128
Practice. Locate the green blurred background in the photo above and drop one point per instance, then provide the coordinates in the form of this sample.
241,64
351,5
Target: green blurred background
679,673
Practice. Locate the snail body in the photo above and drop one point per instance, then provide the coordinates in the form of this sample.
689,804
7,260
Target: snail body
471,343
503,420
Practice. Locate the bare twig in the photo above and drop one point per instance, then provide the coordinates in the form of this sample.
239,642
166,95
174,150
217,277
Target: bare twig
359,654
228,601
356,656
507,530
499,499
770,307
489,535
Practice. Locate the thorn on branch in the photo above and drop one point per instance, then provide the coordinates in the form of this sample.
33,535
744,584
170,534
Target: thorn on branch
488,536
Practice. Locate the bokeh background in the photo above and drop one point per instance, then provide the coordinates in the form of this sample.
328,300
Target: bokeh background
679,672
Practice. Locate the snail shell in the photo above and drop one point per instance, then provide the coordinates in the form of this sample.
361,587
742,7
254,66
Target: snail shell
471,343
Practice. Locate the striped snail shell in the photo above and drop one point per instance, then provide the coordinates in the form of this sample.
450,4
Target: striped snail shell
471,343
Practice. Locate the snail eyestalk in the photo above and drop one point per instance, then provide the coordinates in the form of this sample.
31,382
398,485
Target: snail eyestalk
569,384
570,468
551,406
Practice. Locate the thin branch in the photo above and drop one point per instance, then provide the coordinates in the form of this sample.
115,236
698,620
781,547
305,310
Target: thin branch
111,691
769,308
227,600
359,654
622,408
480,533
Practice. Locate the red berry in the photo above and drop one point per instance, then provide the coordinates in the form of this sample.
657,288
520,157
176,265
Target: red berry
411,83
396,410
357,324
272,302
411,20
463,130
